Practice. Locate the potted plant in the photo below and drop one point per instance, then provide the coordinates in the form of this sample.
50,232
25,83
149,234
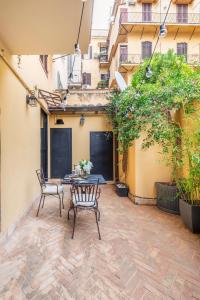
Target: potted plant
189,186
84,167
121,189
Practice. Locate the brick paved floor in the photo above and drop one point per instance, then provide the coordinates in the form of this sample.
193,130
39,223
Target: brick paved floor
144,254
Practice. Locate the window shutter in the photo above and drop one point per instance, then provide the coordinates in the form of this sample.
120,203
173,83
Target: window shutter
182,49
146,12
146,49
90,54
123,53
182,13
87,78
123,15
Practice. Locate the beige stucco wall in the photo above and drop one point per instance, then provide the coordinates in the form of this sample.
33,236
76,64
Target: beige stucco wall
81,134
20,139
144,168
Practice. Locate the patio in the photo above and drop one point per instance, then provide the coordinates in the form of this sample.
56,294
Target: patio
144,254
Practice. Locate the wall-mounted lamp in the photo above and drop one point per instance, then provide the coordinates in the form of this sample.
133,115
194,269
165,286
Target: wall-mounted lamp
31,99
82,120
60,122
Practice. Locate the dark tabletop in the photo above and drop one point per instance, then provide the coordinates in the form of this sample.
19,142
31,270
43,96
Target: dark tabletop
93,178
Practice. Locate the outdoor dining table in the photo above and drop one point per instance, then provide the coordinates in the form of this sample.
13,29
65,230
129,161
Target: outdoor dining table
90,179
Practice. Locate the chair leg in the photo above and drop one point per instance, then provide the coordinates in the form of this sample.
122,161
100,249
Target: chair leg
99,217
39,205
74,223
97,225
60,202
69,212
43,201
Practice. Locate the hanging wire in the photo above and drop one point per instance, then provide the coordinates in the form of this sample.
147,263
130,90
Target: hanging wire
79,31
158,38
77,41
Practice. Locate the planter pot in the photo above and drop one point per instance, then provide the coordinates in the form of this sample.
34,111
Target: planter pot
167,197
190,215
121,190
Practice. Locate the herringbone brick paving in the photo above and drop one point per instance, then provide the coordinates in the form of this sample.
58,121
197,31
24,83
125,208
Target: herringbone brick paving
144,254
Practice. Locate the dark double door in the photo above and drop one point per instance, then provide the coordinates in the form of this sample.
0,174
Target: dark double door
101,153
61,152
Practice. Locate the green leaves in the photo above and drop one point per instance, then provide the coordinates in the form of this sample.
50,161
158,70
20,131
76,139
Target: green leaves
148,107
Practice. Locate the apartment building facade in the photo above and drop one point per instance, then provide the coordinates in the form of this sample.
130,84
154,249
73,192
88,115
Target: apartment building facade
134,31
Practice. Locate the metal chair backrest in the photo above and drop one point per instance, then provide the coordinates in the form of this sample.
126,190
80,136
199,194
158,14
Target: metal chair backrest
85,192
41,178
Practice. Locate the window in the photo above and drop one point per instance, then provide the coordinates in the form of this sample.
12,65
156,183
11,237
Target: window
104,77
87,78
90,52
59,82
123,15
182,49
146,49
146,12
123,53
182,13
44,62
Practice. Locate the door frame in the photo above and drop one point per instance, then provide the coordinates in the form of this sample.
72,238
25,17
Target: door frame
114,151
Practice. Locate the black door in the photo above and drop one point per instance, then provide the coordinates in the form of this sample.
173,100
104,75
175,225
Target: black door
61,152
101,153
44,143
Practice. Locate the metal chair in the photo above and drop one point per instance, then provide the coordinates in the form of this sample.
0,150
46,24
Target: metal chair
85,197
49,189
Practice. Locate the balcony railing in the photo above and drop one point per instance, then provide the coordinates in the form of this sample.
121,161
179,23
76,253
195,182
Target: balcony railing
103,58
136,59
130,59
157,18
103,84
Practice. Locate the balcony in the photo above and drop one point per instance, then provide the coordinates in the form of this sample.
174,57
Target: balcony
103,84
103,60
157,18
127,62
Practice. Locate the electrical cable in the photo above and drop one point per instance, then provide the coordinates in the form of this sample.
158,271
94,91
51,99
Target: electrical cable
158,38
77,41
79,31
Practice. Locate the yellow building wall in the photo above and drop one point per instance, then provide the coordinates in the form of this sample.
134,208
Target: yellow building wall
92,65
20,140
81,134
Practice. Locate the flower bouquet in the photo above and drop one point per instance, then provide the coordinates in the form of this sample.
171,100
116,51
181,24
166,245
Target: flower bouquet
84,167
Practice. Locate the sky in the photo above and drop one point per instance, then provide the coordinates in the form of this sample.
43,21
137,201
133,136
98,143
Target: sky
101,13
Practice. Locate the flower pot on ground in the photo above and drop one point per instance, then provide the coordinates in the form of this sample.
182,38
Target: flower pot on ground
189,187
167,197
121,189
190,214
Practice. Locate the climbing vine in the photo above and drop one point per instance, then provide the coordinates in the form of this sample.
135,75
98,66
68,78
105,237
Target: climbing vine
149,107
